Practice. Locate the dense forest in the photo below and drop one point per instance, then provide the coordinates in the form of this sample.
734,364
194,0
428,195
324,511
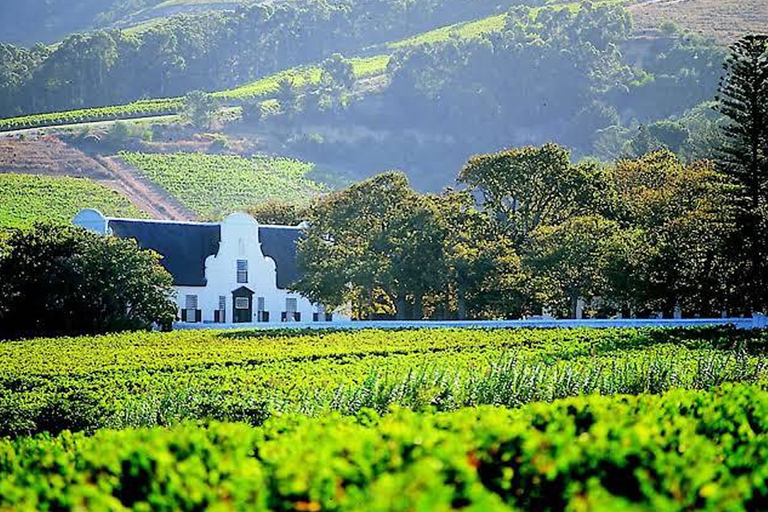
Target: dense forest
207,51
574,77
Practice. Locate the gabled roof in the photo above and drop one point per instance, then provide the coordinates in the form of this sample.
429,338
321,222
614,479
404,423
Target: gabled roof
184,246
279,243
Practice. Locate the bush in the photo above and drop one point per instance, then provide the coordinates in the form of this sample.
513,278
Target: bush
200,109
60,280
685,450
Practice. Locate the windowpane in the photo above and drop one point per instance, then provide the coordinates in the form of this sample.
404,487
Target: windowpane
242,303
222,303
190,302
242,271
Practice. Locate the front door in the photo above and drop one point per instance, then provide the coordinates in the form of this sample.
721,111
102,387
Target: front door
242,305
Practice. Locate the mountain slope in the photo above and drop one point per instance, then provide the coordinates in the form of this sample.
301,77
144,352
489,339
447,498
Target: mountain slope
26,198
51,158
725,20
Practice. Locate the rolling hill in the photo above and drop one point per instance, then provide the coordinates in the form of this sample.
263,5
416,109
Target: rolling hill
25,199
214,185
48,21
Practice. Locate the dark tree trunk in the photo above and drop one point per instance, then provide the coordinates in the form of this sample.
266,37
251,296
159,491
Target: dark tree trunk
418,307
401,306
461,304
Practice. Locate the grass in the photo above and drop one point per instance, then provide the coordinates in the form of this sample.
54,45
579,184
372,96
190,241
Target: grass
215,185
25,199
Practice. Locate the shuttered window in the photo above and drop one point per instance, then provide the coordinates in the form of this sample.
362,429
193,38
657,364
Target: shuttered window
190,302
242,271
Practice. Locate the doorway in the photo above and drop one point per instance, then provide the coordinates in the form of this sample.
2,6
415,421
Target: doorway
242,305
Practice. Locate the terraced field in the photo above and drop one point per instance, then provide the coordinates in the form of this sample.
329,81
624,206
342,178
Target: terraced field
213,185
26,198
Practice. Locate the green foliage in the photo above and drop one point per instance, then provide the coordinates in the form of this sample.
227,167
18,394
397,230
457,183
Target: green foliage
200,109
571,261
25,199
338,72
743,96
280,212
148,108
385,248
118,133
683,218
287,97
150,379
215,185
683,450
64,280
527,187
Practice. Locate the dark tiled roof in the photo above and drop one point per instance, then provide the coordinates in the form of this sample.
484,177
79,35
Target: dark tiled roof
279,243
184,247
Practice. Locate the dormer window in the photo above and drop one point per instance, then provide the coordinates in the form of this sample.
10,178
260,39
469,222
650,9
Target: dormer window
242,271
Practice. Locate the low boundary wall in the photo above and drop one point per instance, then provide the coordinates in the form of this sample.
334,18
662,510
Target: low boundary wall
754,322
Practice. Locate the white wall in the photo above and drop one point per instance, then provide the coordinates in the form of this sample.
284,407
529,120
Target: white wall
240,241
756,322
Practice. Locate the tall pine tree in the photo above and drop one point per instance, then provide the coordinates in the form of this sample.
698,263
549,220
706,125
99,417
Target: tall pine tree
743,100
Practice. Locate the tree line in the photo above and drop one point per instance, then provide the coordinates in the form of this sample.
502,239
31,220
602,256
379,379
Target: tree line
574,76
211,51
532,232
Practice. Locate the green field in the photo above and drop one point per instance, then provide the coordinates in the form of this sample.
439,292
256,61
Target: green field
132,380
422,420
139,109
683,451
215,185
26,198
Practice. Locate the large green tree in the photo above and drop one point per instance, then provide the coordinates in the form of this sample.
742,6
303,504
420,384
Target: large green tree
391,251
63,280
369,243
532,186
743,100
479,269
572,261
684,219
200,109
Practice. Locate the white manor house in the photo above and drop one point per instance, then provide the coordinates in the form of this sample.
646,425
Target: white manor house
236,271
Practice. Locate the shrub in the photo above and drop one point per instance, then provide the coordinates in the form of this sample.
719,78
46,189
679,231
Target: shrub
60,280
685,450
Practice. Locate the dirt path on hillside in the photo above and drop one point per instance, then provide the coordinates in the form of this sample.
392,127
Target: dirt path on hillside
49,156
145,194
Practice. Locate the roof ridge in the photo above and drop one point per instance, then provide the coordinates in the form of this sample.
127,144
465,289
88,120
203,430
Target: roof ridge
195,223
